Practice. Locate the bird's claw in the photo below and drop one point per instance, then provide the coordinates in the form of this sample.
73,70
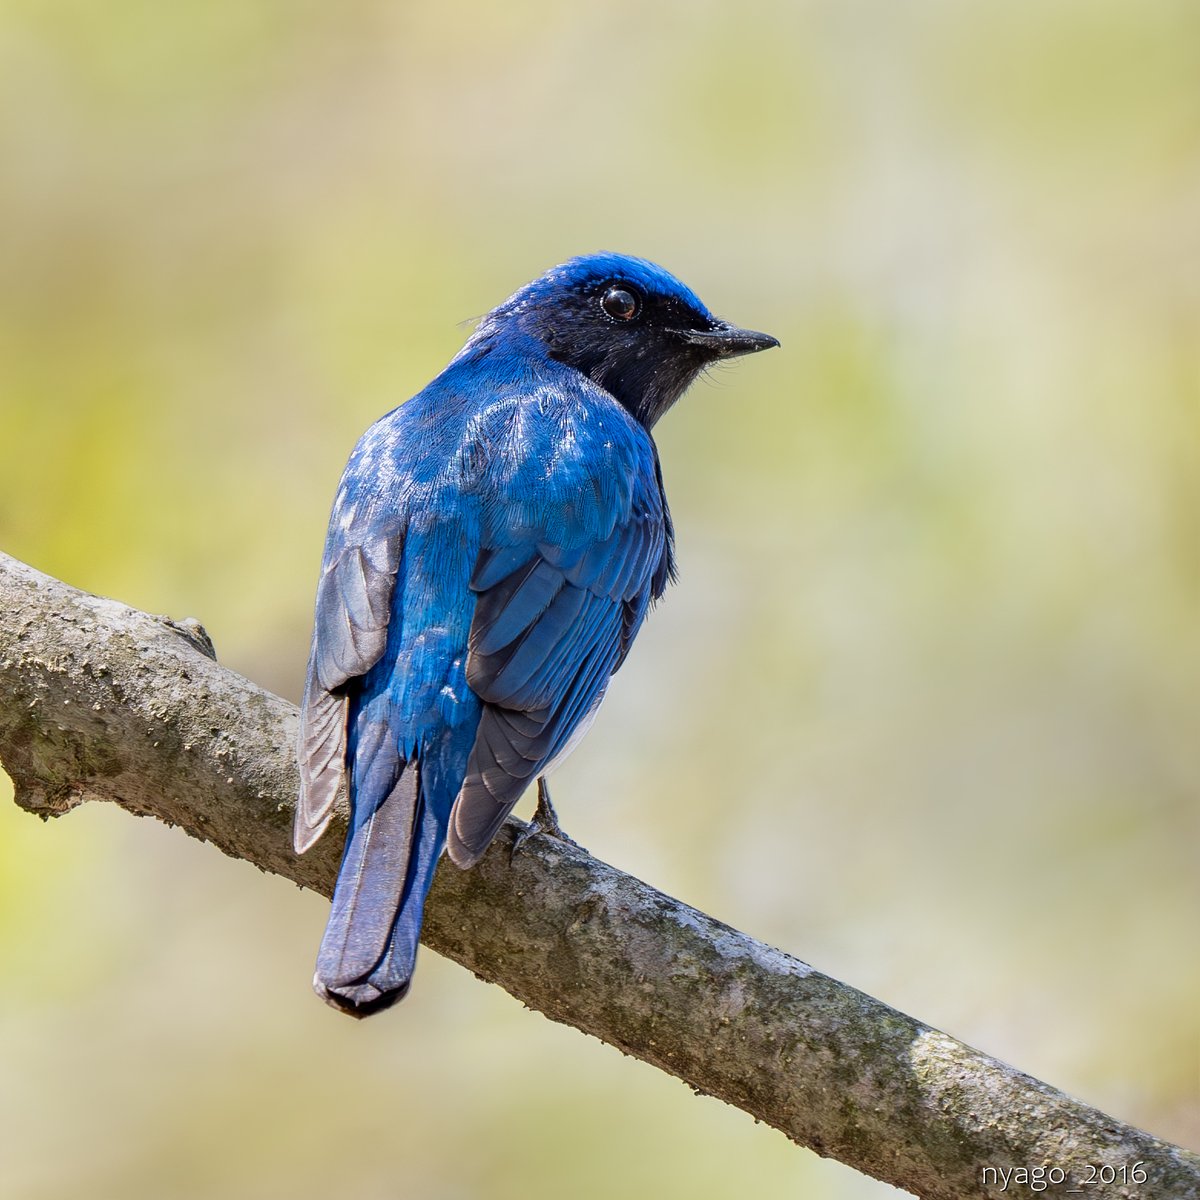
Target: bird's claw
545,821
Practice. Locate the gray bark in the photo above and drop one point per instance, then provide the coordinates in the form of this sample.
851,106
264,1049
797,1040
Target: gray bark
100,701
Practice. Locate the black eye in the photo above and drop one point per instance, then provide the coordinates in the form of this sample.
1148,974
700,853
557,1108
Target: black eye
620,303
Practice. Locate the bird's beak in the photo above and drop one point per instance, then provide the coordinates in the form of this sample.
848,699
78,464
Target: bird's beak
728,341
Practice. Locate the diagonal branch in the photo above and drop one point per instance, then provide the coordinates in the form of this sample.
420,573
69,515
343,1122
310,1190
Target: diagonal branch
98,700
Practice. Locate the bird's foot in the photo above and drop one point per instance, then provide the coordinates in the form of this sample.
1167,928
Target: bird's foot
545,821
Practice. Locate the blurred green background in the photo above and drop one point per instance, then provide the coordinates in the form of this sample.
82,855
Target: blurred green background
923,709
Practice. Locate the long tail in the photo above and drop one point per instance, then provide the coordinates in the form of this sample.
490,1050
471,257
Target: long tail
370,945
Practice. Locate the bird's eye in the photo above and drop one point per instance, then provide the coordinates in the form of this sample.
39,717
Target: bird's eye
620,303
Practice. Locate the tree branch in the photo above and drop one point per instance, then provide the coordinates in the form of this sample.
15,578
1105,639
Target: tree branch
98,700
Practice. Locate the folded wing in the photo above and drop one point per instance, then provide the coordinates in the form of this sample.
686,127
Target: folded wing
353,602
551,625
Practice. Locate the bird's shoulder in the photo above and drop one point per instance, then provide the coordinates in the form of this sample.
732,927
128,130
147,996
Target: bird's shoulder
496,419
555,457
524,452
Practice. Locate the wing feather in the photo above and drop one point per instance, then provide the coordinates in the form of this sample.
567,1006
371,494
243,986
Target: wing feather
545,641
500,619
354,598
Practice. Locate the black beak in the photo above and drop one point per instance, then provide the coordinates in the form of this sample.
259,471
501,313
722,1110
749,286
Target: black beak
728,341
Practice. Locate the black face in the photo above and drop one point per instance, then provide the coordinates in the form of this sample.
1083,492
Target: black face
644,347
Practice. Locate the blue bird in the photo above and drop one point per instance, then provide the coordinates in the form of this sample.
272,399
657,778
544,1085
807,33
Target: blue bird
493,548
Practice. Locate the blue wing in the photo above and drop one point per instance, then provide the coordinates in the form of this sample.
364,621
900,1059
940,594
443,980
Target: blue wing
553,620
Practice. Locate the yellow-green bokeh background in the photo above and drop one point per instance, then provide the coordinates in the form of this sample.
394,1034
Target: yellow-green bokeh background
923,709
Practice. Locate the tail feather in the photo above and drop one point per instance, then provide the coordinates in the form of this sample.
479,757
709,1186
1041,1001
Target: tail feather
400,955
370,944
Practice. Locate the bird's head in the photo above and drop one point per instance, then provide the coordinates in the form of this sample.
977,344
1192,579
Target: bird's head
627,324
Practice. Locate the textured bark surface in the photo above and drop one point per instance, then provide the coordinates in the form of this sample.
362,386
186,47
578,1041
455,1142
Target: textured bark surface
100,701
